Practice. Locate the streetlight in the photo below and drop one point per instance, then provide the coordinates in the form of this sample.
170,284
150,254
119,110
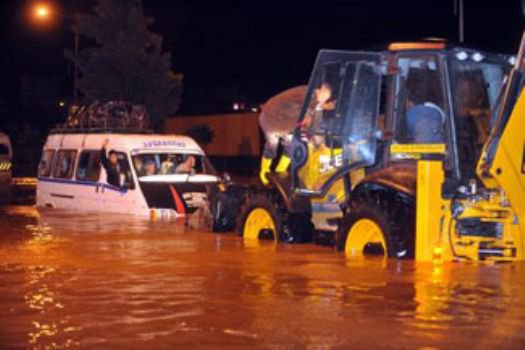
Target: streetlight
43,12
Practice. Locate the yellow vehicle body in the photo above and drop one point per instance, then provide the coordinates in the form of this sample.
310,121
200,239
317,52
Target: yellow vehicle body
437,237
497,209
318,169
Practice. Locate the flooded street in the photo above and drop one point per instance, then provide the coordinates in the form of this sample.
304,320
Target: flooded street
122,282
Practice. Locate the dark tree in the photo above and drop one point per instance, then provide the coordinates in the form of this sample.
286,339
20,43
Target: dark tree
127,61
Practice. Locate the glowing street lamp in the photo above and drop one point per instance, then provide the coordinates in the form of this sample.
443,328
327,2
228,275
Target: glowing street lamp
41,11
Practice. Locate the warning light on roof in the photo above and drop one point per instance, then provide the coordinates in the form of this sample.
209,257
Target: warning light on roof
461,55
416,46
477,57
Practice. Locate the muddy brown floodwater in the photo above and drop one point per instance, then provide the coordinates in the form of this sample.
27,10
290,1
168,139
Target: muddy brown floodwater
122,282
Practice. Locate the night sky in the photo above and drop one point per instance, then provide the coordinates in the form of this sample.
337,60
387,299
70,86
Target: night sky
251,50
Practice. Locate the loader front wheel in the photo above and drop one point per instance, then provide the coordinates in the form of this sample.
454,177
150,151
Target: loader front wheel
259,224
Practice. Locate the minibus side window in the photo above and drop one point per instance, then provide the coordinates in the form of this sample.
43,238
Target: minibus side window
44,167
64,164
88,168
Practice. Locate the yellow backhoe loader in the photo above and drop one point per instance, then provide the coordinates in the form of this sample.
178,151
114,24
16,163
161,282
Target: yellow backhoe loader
383,157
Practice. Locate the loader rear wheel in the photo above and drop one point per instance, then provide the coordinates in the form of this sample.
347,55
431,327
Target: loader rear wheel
264,216
365,231
377,228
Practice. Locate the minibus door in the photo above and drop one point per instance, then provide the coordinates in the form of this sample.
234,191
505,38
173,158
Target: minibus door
88,178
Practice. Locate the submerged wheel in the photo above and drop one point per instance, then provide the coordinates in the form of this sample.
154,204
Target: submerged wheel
259,224
369,229
264,216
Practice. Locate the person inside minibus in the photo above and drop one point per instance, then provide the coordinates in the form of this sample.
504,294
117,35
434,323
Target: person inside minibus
111,165
149,167
187,166
168,166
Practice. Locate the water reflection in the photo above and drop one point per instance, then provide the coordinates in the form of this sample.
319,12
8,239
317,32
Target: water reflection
429,301
104,281
48,326
42,292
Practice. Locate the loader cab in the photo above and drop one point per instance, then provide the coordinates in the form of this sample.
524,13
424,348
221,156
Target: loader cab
446,96
360,104
338,121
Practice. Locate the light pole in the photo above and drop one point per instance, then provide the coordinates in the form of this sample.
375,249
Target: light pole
459,12
75,67
43,12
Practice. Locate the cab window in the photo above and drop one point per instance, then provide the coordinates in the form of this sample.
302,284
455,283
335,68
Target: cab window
421,110
88,168
421,105
44,167
64,164
475,87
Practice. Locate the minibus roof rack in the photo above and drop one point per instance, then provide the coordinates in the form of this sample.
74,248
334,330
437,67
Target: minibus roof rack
108,117
59,129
